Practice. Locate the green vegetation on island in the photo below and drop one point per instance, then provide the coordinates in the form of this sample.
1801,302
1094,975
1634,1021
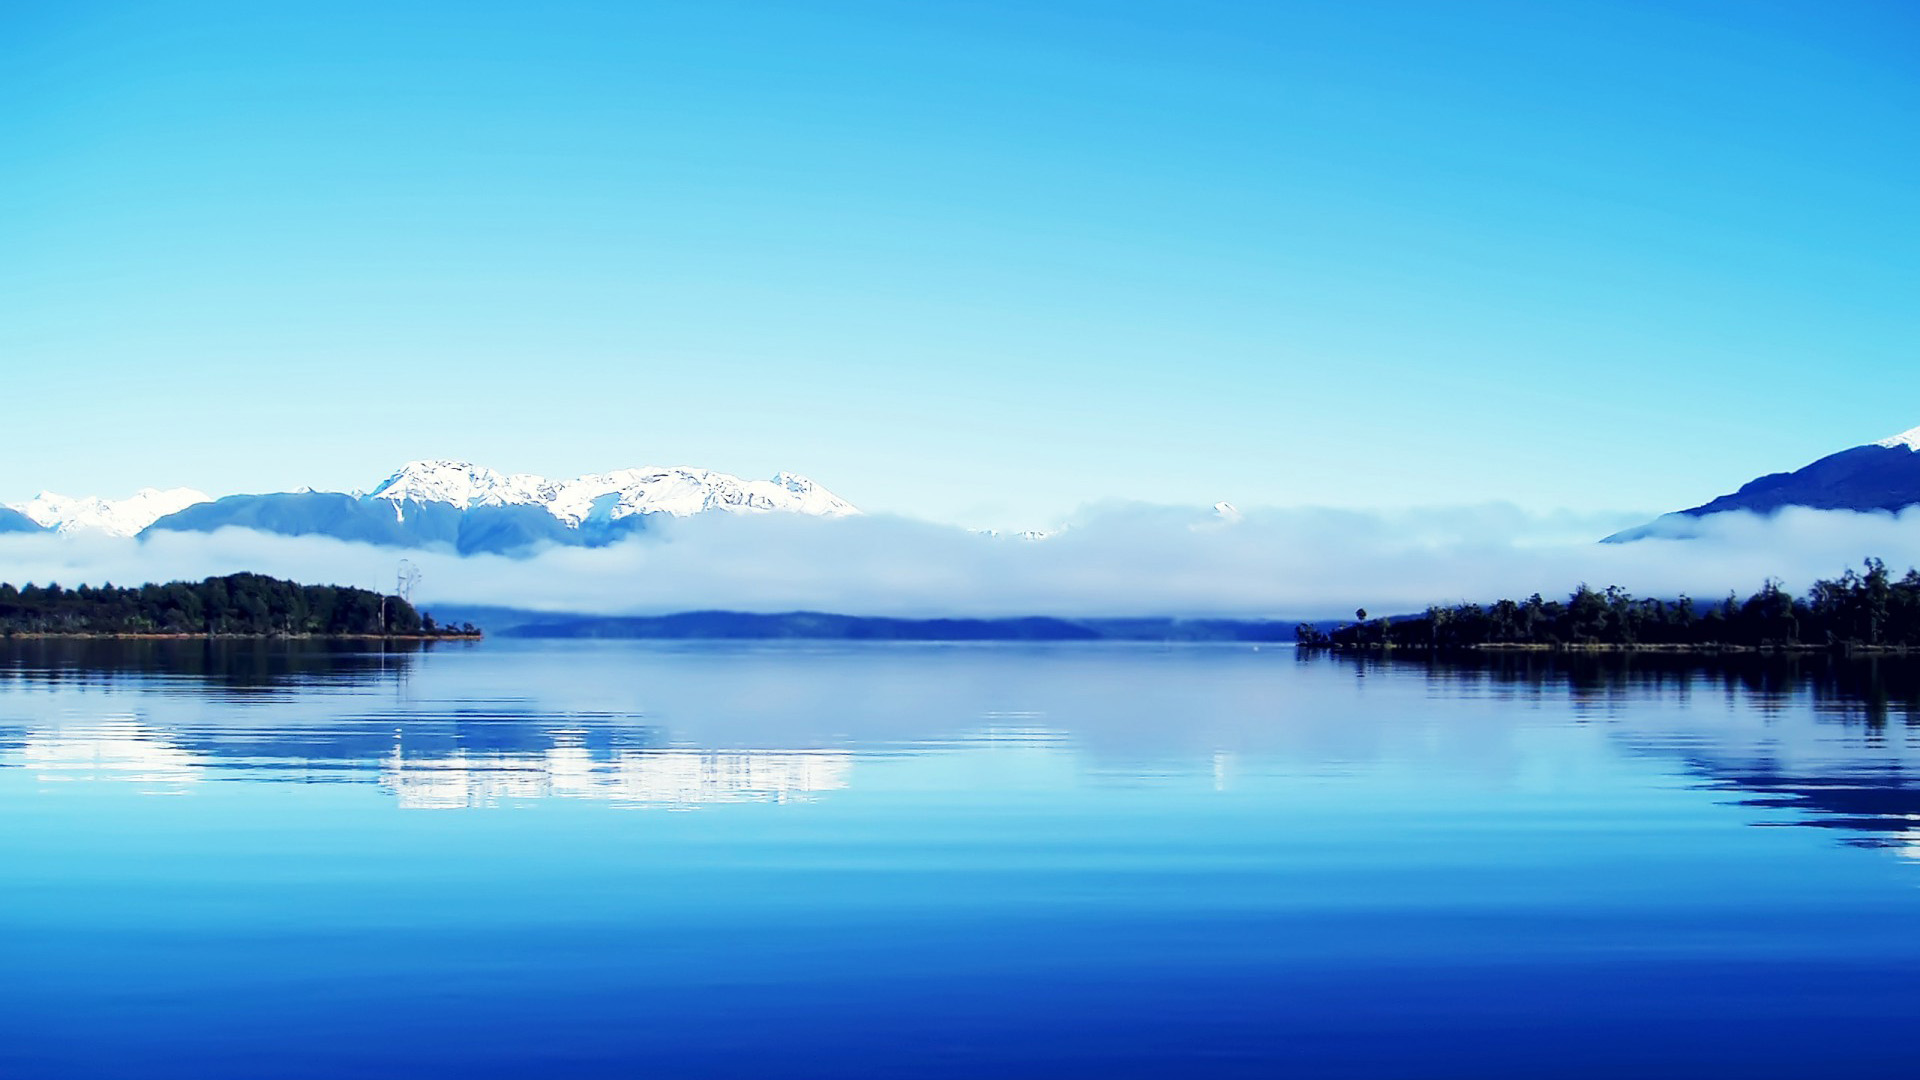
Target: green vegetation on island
1857,610
238,605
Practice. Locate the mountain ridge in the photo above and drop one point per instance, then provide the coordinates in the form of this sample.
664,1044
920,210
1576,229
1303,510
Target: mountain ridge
116,517
435,502
1877,476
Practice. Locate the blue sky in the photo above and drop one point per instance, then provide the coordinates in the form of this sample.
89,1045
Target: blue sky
974,262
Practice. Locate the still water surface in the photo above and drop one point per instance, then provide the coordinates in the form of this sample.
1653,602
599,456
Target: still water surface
674,860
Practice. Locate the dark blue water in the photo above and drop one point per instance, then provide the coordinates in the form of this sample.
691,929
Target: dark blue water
627,860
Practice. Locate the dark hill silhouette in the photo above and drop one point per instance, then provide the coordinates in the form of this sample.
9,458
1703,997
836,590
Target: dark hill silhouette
1865,478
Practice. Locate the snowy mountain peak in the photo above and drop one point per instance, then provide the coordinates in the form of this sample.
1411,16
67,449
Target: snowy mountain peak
412,506
117,517
1908,439
464,485
458,482
623,493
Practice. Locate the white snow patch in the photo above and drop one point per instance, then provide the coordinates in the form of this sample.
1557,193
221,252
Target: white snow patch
1909,439
681,492
116,517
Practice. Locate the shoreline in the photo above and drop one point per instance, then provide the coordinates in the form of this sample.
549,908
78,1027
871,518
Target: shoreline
53,635
1703,649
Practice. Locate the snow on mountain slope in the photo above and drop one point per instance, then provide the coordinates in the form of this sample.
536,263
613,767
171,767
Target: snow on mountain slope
1909,439
463,485
119,517
447,502
677,491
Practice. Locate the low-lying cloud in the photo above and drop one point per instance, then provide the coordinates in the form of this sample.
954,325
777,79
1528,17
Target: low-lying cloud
1112,560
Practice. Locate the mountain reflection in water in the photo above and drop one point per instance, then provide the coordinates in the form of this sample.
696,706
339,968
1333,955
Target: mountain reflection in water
950,861
427,756
1840,749
568,768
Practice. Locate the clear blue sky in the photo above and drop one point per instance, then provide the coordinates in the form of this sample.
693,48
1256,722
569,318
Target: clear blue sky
976,262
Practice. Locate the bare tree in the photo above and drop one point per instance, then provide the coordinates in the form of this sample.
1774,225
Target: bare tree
407,578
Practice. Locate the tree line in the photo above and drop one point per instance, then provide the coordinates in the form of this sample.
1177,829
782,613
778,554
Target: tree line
247,605
1865,608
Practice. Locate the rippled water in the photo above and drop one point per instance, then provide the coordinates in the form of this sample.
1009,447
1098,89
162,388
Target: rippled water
623,860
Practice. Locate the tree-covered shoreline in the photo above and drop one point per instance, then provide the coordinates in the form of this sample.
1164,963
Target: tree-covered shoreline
1860,610
237,605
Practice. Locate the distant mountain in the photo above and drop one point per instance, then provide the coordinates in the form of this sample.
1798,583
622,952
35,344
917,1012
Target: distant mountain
362,519
117,517
822,626
13,521
607,496
1878,476
446,504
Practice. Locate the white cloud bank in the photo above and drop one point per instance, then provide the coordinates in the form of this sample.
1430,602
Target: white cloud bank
1112,560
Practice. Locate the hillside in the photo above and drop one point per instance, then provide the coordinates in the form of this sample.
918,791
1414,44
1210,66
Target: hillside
1878,476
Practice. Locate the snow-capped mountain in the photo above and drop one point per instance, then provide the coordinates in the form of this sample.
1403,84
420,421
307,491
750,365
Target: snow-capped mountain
471,509
1883,475
1909,439
13,521
678,491
118,517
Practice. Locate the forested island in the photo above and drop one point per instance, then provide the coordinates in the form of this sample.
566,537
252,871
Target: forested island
1859,610
238,605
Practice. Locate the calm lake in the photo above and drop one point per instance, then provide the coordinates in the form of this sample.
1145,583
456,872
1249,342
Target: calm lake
605,859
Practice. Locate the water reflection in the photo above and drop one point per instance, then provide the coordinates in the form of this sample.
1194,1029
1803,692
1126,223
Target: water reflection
427,754
1826,741
1873,690
955,862
518,762
239,667
1838,747
1870,806
673,779
116,749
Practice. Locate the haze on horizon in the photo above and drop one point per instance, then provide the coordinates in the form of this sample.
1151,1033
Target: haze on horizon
973,263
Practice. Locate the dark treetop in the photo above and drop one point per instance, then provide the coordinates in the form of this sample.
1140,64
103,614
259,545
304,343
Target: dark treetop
250,605
1870,609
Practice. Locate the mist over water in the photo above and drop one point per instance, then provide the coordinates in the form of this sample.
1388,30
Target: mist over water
1109,560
